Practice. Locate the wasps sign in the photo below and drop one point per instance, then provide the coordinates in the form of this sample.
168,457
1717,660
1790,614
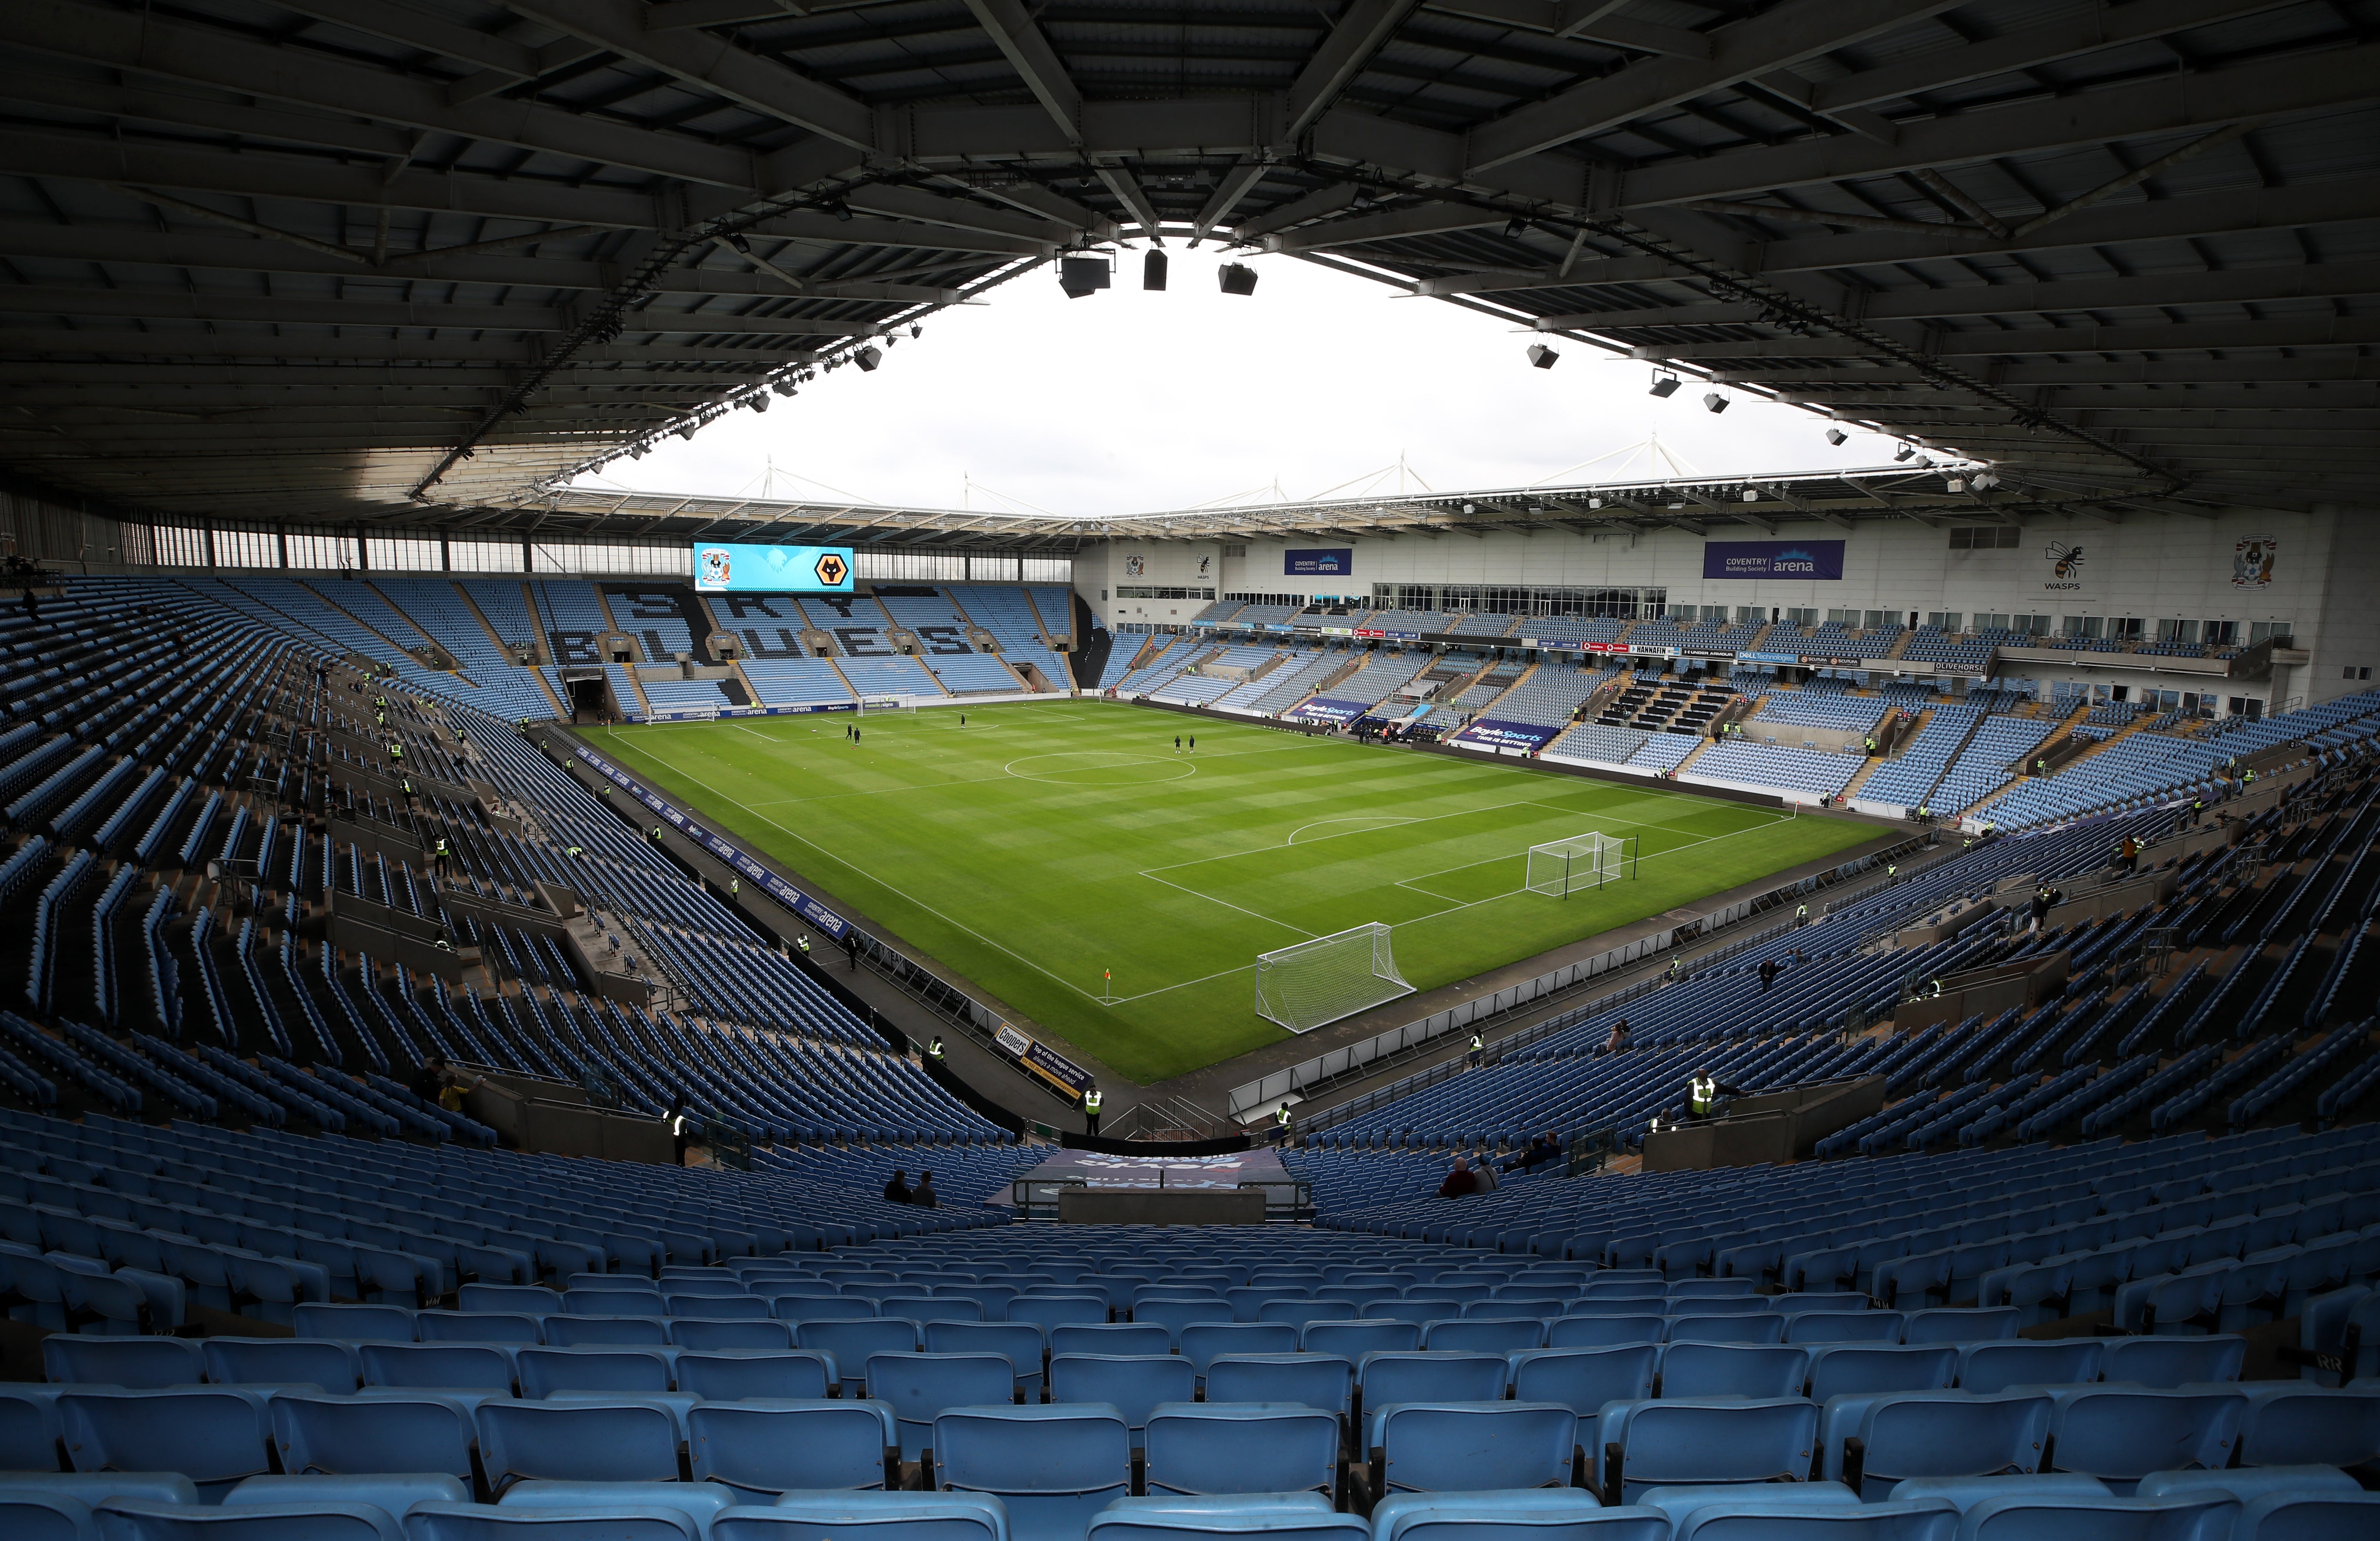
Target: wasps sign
2066,562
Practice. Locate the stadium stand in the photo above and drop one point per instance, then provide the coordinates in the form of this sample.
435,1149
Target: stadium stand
274,1286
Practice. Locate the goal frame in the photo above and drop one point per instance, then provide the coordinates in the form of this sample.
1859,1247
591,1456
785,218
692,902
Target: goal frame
877,706
1607,859
683,712
1278,1002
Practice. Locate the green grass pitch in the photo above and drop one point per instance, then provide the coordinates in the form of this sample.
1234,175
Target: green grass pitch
1067,858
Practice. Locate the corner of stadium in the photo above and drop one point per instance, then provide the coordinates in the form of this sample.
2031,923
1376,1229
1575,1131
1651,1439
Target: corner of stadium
1809,1005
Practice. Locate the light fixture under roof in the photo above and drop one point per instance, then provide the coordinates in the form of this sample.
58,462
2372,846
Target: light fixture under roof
1664,385
1714,402
1904,451
1835,436
1543,357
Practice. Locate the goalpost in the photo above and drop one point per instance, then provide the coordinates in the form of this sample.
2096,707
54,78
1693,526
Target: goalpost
1317,982
1591,860
877,706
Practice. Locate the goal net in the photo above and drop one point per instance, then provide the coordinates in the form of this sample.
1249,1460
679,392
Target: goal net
1318,982
1590,860
683,712
875,706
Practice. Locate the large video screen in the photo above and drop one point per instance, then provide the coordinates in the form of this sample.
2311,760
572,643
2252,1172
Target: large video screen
722,567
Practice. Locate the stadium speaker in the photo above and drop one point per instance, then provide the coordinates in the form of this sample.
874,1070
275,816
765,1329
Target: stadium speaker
1714,402
1835,436
1082,275
868,358
1236,278
1664,385
1152,270
1542,356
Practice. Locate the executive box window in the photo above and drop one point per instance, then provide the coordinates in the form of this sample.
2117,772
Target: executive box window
1148,593
1985,538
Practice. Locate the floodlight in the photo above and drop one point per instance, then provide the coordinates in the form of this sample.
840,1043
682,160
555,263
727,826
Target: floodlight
1958,484
868,358
782,387
917,331
686,431
1664,385
1835,436
1903,453
1471,508
1515,229
740,243
1750,496
1714,402
1542,356
1236,278
1082,275
839,209
1595,502
758,400
1152,270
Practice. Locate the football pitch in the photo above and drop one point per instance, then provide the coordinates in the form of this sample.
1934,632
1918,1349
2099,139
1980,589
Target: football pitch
1069,859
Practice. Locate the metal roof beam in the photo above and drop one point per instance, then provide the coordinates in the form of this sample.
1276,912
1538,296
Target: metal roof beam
1020,40
1359,34
2165,104
142,42
1778,38
746,78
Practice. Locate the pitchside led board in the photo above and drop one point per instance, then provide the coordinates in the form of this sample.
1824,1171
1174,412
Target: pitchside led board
720,569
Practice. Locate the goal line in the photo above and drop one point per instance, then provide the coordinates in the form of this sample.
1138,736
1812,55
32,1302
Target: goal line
1316,983
1560,868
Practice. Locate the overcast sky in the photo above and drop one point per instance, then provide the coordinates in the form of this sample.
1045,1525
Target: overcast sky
1128,401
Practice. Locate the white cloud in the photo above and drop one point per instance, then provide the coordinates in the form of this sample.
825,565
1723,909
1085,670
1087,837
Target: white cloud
1127,401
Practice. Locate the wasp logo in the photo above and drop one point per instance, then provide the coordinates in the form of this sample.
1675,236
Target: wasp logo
831,569
2067,559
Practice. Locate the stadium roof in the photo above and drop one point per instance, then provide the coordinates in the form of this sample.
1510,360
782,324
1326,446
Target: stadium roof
422,260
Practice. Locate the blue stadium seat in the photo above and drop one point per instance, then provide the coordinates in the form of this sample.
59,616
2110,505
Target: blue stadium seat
308,1519
2169,1361
920,1387
1716,1440
2119,1434
1384,1378
135,1363
1241,1447
1751,1518
1837,1369
1201,1341
373,1433
2292,1423
496,1521
622,1439
1439,1447
739,1376
783,1446
852,1342
45,1517
1132,1384
1874,1442
216,1437
1351,1340
332,1366
1985,1367
1537,1514
882,1517
1024,1345
1168,1518
2048,1518
1699,1369
2326,1516
1323,1381
1053,1466
1582,1380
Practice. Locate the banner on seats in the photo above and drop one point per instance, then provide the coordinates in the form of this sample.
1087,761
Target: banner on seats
776,888
1496,733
